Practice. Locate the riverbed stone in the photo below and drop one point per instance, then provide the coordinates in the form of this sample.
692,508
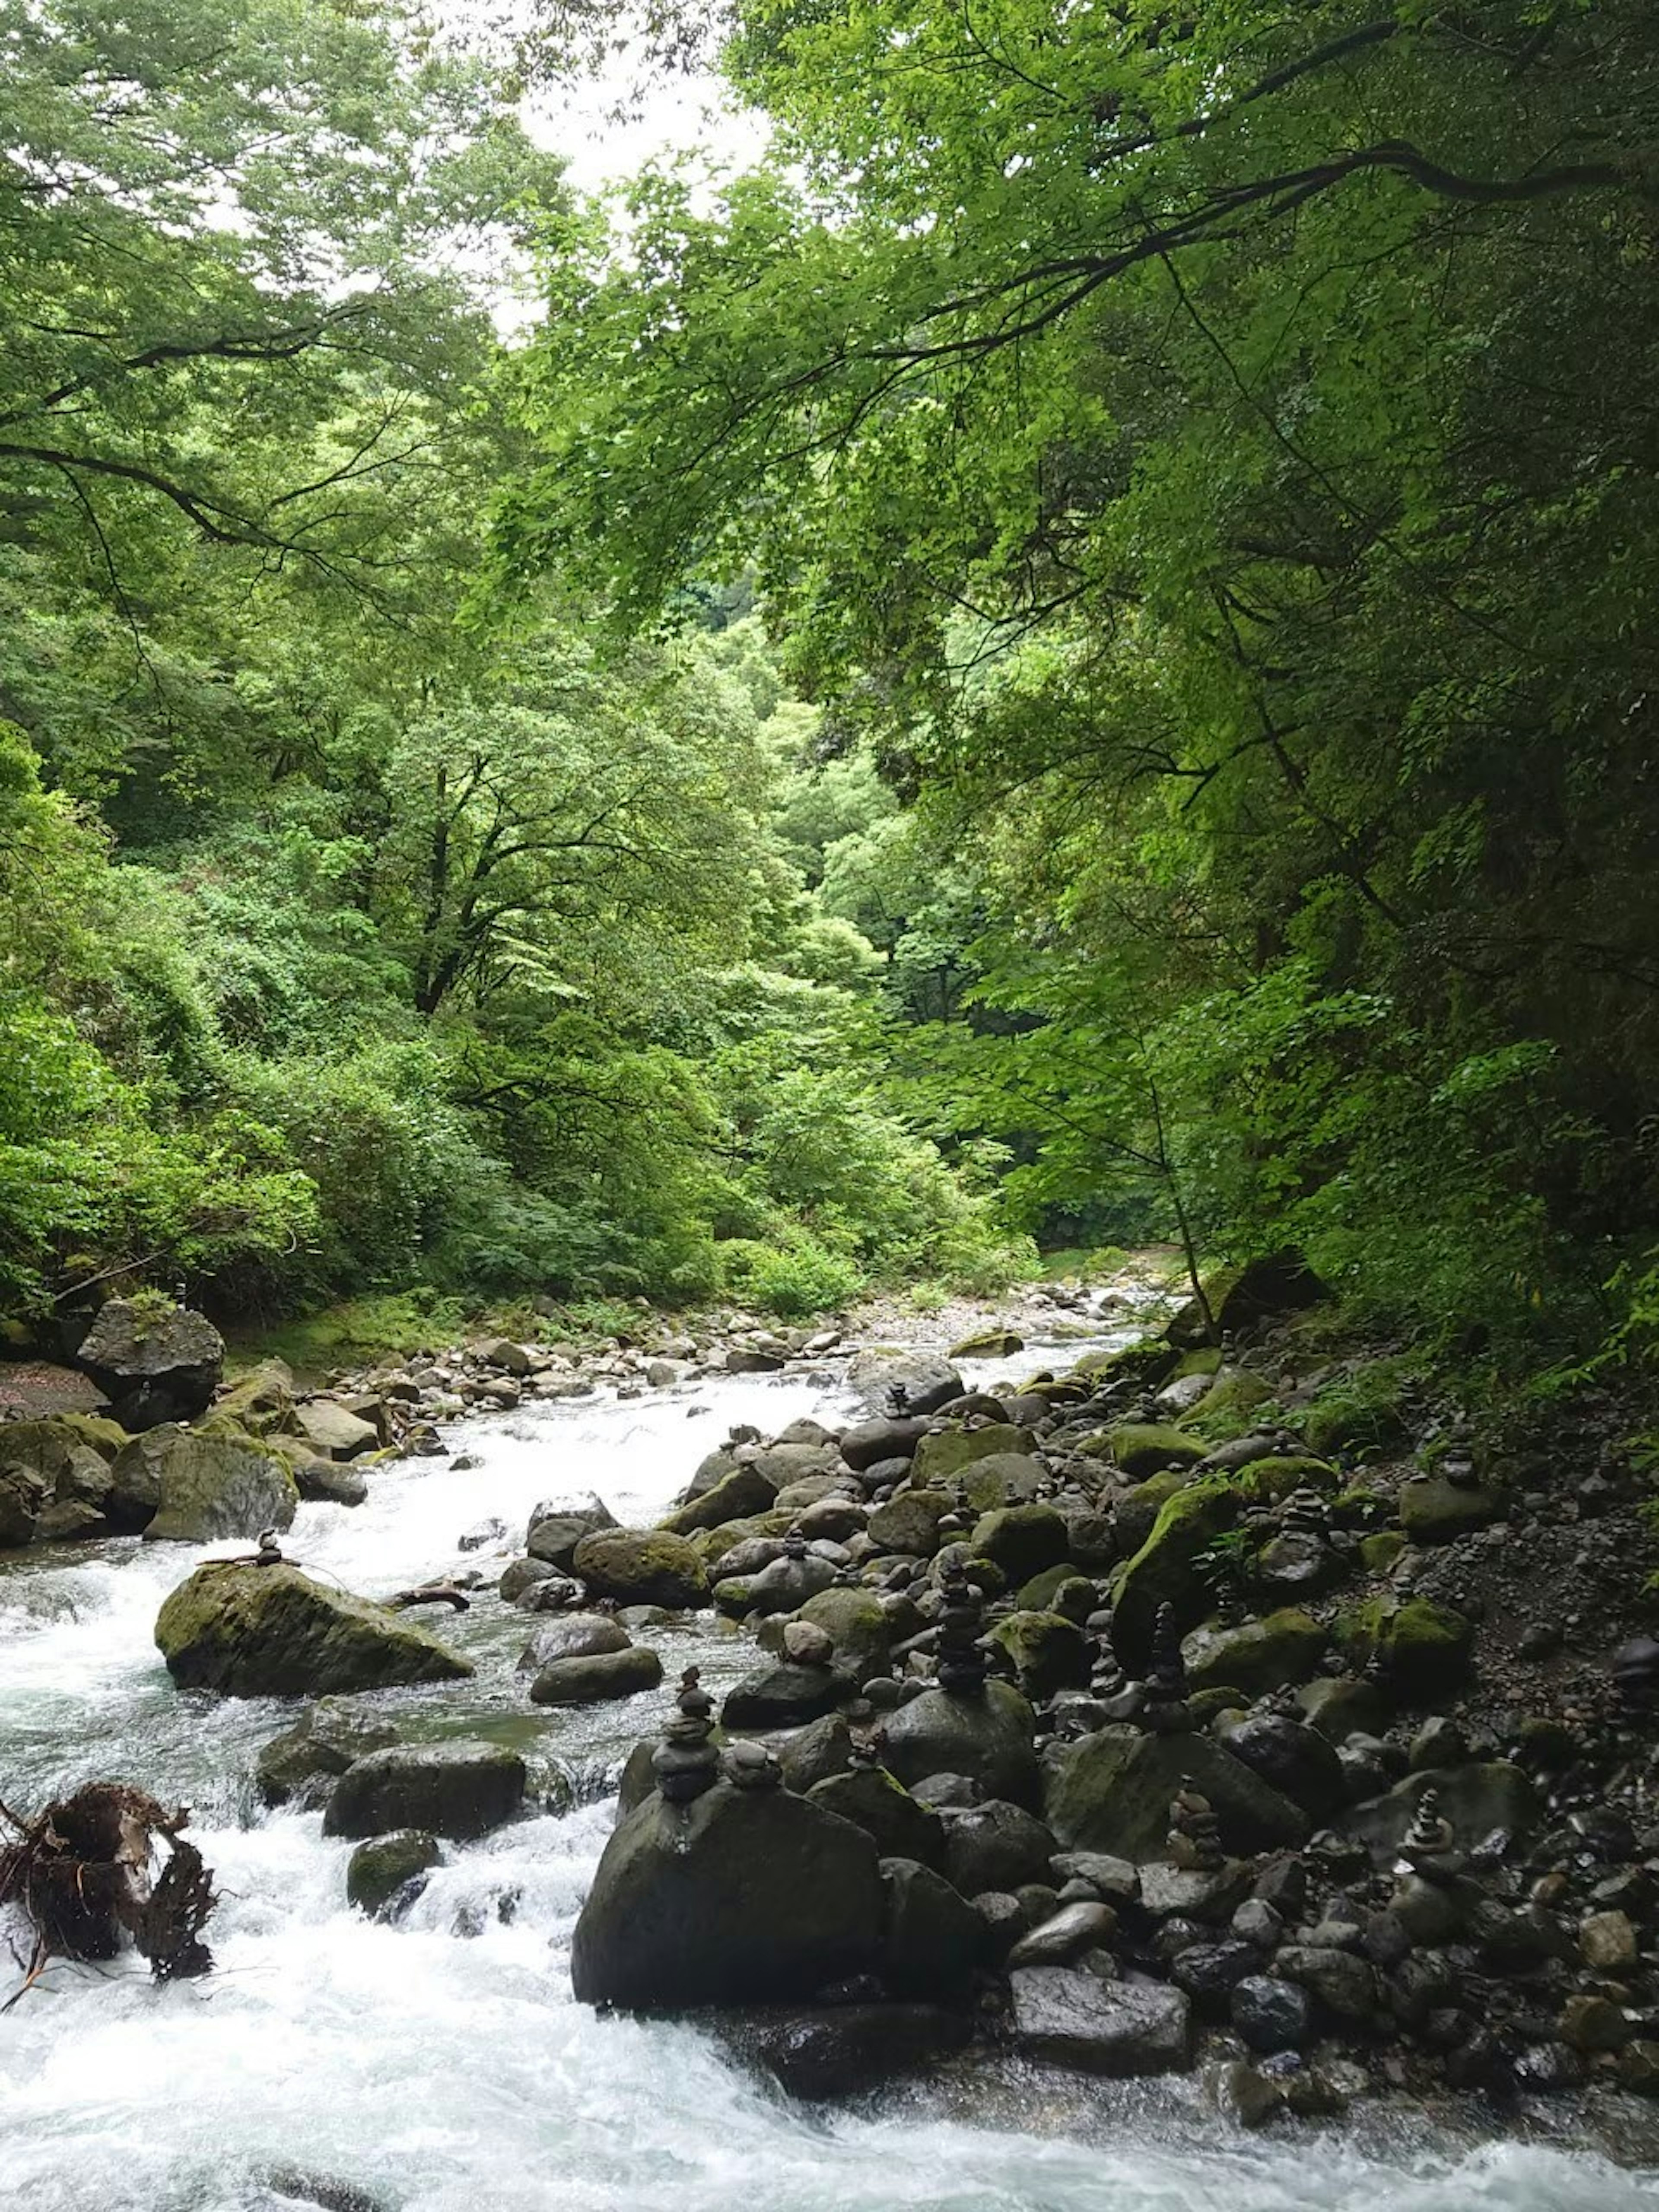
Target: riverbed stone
1434,1509
301,1765
783,1696
333,1431
1070,2016
1143,1448
995,1845
1000,1478
1111,1792
819,2052
1476,1799
1256,1655
933,1938
460,1790
740,1896
985,1736
254,1632
642,1566
908,1523
870,1798
592,1678
944,1453
558,1525
1049,1653
1021,1540
572,1636
737,1496
926,1381
380,1872
1164,1570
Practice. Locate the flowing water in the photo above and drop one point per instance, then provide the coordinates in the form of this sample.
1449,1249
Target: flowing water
440,2065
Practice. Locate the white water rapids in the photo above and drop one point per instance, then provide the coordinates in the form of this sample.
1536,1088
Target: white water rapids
440,2065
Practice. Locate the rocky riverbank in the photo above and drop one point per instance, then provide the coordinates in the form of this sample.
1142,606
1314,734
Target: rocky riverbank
1227,1707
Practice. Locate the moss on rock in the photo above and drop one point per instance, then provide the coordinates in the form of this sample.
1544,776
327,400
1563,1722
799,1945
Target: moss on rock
251,1632
1163,1571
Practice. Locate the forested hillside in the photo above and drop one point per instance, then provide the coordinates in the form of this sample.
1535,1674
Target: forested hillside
1069,656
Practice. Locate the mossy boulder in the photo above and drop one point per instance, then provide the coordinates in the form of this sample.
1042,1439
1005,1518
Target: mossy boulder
1021,1540
1379,1552
1144,1447
1257,1655
1434,1511
988,1344
261,1400
1362,1413
1000,1478
1163,1571
642,1566
737,1496
1425,1648
380,1875
855,1624
946,1452
1235,1391
593,1678
1239,1296
1148,1363
203,1485
301,1765
901,1826
55,1479
1049,1653
908,1523
1273,1479
1137,1510
1111,1792
253,1632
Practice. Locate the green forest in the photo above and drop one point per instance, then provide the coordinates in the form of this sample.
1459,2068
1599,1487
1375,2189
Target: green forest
1066,659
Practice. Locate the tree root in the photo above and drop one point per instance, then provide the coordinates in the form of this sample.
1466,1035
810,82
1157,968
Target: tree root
83,1873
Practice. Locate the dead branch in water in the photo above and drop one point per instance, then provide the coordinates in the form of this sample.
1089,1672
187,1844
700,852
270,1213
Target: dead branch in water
430,1593
82,1874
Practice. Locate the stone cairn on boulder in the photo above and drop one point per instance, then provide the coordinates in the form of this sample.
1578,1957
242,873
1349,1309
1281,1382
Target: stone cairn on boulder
960,1661
1166,1712
685,1763
1429,1845
748,1765
1194,1838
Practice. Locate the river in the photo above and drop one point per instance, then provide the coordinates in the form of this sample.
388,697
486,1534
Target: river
440,2065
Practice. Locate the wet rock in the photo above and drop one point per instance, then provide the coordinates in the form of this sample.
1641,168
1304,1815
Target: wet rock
153,1366
739,1897
870,1797
987,1737
460,1790
524,1578
1271,2015
1343,1707
785,1586
301,1765
1296,1760
254,1632
1112,1792
926,1381
596,1677
823,1748
856,1624
908,1523
998,1478
1244,2093
1164,1570
572,1636
1476,1799
946,1452
642,1566
995,1845
556,1530
831,2051
201,1488
1067,1934
380,1873
1433,1510
783,1696
883,1442
934,1940
325,1482
1344,1984
1195,1894
1210,1972
1069,2016
736,1496
1592,2024
1049,1653
1607,1941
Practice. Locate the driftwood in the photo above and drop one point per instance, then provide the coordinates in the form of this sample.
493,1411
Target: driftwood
430,1593
83,1874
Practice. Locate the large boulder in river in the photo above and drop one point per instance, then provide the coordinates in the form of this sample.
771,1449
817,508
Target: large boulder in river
985,1734
153,1365
333,1431
301,1765
204,1486
597,1677
741,1896
1165,1569
642,1566
737,1495
455,1789
254,1632
1111,1792
557,1527
926,1381
55,1477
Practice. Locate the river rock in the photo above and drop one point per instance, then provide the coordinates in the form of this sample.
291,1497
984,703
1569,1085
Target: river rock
870,1798
881,1442
1049,1653
783,1696
1476,1799
943,1453
928,1381
1067,2015
380,1873
259,1400
1271,2015
557,1528
55,1472
572,1636
788,1584
934,1939
987,1737
737,1496
1111,1792
201,1486
253,1632
1258,1655
741,1896
593,1677
1021,1540
642,1566
1434,1509
857,1627
324,1482
23,1494
521,1578
909,1523
153,1365
1164,1570
995,1845
822,2052
460,1790
332,1431
301,1765
1087,1925
1294,1758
